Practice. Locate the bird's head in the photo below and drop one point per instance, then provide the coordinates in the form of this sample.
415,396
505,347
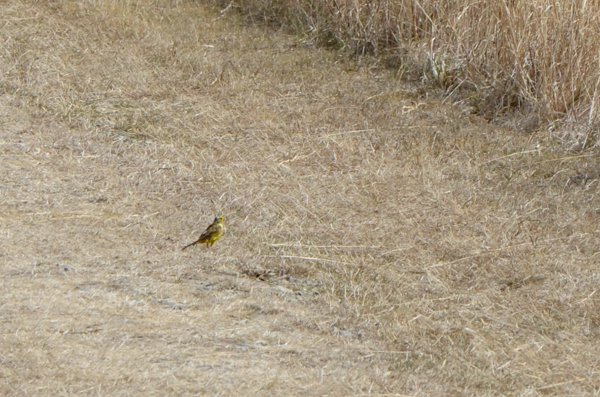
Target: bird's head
219,219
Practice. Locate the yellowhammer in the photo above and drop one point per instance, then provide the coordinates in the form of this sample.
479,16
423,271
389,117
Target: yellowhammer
211,234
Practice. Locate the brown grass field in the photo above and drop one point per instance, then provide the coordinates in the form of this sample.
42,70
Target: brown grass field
380,240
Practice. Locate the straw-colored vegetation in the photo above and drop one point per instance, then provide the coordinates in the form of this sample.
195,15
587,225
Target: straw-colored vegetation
540,56
380,240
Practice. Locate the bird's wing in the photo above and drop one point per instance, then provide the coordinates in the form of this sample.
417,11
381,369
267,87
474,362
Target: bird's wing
208,232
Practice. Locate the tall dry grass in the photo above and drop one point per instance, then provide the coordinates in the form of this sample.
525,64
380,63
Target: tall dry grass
539,56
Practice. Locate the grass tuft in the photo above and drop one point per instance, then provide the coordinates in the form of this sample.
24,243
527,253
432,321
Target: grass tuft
536,57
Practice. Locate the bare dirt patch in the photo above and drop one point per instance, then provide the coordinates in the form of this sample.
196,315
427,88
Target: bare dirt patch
378,240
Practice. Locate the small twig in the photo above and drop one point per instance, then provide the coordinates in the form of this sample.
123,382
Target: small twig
224,10
560,384
323,246
348,132
509,155
309,258
487,252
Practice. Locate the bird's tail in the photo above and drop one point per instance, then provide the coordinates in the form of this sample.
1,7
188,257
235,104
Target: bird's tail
189,245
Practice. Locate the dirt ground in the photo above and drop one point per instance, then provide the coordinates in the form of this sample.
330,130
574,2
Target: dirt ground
380,240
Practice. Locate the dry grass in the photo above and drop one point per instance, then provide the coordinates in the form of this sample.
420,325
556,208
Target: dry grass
378,242
539,56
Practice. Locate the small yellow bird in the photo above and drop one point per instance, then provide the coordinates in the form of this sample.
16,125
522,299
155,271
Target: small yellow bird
211,234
